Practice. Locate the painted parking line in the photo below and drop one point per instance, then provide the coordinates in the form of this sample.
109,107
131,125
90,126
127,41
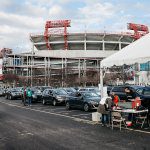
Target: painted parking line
63,112
82,115
57,108
71,117
57,114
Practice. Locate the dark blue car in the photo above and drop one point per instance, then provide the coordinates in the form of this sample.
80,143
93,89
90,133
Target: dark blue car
83,100
144,94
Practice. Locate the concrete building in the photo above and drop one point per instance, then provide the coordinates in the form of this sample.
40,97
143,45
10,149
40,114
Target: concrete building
78,65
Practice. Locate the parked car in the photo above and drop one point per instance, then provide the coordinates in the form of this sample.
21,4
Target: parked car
2,91
42,88
36,95
14,93
54,96
120,91
83,100
69,90
144,94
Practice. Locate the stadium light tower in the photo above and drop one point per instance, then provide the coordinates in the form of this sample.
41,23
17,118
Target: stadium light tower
53,25
139,30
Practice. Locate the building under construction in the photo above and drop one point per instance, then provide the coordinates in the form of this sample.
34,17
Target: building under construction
59,58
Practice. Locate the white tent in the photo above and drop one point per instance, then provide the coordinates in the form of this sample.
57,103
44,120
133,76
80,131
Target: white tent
136,52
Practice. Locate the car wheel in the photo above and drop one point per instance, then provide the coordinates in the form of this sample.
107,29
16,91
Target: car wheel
43,102
68,106
54,102
86,107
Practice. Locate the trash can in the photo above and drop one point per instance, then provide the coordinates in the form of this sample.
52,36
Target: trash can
96,116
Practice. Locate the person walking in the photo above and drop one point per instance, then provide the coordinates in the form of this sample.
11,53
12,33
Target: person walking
29,95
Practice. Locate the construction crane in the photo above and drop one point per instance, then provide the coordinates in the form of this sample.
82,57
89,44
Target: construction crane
53,25
139,30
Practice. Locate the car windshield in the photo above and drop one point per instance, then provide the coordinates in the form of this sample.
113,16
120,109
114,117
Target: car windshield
70,90
19,89
44,87
90,94
15,90
60,92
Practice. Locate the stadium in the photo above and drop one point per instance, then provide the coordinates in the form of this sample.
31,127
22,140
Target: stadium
59,58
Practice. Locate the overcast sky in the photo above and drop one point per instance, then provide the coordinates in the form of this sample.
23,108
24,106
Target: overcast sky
19,18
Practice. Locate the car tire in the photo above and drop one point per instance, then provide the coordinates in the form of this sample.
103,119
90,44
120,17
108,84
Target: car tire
54,102
43,102
68,106
86,107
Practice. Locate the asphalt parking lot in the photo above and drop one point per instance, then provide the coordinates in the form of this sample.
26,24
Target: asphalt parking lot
60,109
50,127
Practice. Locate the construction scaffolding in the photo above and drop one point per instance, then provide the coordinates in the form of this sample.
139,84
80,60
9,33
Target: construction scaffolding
30,70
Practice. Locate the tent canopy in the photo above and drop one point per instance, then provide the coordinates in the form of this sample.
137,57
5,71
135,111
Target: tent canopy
136,52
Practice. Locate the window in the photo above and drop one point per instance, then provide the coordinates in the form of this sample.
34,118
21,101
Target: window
82,90
147,92
118,89
139,91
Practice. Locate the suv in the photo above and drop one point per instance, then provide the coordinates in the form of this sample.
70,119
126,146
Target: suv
54,96
14,93
83,100
120,91
144,94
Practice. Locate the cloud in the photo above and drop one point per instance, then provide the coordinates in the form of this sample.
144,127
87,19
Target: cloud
33,10
6,4
56,12
96,13
15,29
20,20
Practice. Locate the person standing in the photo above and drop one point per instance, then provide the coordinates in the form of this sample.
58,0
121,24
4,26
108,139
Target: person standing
103,109
29,95
24,96
115,99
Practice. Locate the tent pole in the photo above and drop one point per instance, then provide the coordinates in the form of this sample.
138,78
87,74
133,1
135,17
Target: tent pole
101,81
